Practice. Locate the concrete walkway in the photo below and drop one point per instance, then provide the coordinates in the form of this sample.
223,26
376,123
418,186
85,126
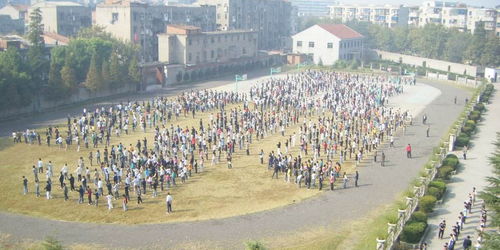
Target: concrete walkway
378,186
472,173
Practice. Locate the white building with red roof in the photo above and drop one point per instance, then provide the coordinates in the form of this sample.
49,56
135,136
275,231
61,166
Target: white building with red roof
327,43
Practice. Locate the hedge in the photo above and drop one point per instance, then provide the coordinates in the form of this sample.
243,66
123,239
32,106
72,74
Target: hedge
441,185
444,172
475,115
462,140
413,232
435,192
418,216
450,161
470,123
427,203
468,130
479,107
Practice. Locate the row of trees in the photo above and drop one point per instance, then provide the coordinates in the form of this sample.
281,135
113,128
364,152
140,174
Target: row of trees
93,59
432,41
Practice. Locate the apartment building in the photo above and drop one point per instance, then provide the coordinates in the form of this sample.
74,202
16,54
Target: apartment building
188,45
456,15
317,8
327,43
140,23
15,11
271,19
64,18
486,15
386,15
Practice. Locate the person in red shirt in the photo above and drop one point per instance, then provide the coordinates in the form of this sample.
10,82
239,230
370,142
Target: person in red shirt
408,151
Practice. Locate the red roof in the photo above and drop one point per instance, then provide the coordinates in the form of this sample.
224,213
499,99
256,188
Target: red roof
341,31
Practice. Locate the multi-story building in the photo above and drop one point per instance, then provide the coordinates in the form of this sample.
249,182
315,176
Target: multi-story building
140,23
386,15
486,15
15,11
327,43
190,46
269,18
11,26
497,30
413,15
456,15
64,18
316,8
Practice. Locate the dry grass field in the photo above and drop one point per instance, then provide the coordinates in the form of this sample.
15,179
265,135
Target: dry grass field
217,192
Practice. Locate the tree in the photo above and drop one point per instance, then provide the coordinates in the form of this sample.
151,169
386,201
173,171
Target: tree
68,75
114,70
456,45
93,81
37,62
133,70
491,51
476,47
106,78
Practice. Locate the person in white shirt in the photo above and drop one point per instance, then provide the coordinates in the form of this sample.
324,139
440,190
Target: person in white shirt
40,165
169,201
110,201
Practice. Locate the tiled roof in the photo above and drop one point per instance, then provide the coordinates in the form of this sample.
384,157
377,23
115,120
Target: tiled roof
341,31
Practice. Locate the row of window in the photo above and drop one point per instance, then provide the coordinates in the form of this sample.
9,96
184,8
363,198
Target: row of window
347,44
231,37
212,54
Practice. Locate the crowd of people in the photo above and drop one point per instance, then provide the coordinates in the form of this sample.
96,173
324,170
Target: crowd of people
458,226
340,116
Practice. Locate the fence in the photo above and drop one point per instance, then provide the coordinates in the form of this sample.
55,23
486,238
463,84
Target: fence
394,230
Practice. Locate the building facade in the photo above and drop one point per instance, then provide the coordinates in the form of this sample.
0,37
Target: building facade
15,11
64,18
327,43
271,19
386,15
456,15
317,8
188,45
140,23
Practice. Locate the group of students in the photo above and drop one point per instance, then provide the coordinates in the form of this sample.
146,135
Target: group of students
459,224
352,120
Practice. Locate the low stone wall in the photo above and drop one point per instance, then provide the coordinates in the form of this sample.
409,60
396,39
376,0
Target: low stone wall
456,68
81,95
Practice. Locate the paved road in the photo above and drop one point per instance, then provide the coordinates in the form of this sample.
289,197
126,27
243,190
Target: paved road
379,185
471,174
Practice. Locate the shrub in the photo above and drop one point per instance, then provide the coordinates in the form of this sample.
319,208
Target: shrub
475,115
435,192
479,107
418,216
444,172
441,185
450,161
470,123
462,140
468,129
427,203
51,243
254,245
413,232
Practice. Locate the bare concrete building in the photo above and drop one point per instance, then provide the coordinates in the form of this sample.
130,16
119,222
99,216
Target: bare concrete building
65,18
271,19
190,46
385,15
15,11
140,23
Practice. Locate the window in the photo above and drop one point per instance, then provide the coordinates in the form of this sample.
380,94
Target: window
244,51
189,57
299,43
114,17
190,41
329,45
311,44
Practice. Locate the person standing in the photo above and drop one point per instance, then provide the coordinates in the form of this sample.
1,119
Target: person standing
110,201
464,152
442,227
408,151
356,178
467,243
65,191
345,180
124,203
382,161
25,185
428,129
169,201
37,188
48,188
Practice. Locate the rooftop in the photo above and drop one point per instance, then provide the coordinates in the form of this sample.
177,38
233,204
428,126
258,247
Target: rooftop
54,4
341,31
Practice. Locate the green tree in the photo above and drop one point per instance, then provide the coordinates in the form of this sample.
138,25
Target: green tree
94,79
36,58
476,46
115,75
106,79
456,45
68,74
133,70
491,51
